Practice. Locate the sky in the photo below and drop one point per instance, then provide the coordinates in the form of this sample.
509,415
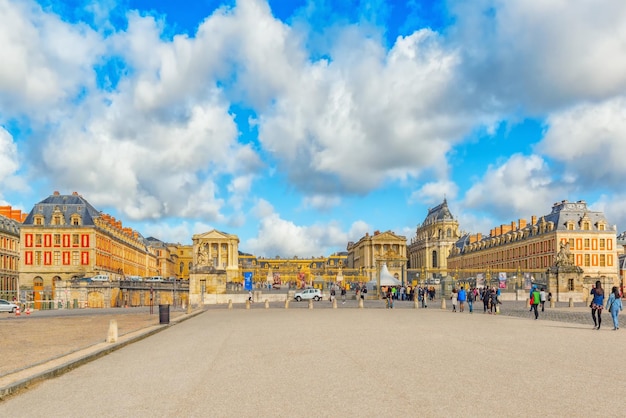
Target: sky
301,125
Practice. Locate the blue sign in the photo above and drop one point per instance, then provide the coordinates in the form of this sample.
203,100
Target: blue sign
247,280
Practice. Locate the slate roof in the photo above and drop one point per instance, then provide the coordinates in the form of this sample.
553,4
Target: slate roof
440,212
565,211
68,205
9,226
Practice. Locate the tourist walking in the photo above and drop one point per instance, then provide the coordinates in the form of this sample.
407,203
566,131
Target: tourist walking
542,293
484,295
614,305
454,298
343,294
471,296
494,301
597,303
462,297
535,300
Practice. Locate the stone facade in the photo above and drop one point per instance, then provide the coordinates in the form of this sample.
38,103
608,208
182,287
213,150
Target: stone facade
371,252
10,222
571,240
434,238
65,237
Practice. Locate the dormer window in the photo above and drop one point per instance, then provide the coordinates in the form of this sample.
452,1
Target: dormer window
570,226
586,226
38,220
76,220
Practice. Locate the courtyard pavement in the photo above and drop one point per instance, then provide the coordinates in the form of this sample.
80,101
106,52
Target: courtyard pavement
349,362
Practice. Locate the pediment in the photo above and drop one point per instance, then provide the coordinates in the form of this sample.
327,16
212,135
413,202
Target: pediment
388,235
214,234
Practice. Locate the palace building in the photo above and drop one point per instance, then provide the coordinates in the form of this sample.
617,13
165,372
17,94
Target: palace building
10,222
582,238
428,251
65,237
371,252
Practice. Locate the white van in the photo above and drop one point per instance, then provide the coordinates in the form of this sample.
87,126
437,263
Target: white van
134,278
100,278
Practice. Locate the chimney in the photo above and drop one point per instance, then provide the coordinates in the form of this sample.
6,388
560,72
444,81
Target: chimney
522,223
513,226
533,220
56,193
479,236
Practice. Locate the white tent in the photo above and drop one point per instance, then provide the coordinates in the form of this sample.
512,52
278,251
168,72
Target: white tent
386,279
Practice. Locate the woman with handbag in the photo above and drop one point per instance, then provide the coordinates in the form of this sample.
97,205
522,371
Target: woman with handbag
597,304
614,305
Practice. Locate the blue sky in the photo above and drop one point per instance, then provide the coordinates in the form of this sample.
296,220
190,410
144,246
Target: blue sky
302,125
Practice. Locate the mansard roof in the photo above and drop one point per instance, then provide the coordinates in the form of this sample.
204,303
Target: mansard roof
566,212
440,212
9,226
68,205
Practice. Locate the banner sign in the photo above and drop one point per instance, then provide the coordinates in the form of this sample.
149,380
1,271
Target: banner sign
247,280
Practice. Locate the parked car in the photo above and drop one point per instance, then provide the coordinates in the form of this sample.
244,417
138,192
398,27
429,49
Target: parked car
6,306
307,294
157,279
100,278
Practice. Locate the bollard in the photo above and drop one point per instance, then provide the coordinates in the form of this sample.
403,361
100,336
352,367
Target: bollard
443,303
310,303
571,302
230,304
334,303
361,303
552,303
189,308
286,303
267,304
248,304
112,336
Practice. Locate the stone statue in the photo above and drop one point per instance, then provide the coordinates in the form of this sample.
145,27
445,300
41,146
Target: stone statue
563,256
203,254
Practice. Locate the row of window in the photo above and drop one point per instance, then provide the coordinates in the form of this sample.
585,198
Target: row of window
9,244
8,262
56,258
56,240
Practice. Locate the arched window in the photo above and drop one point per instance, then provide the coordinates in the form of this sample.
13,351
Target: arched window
182,266
449,233
435,264
38,282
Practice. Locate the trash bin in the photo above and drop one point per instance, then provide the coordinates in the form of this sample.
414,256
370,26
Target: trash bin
164,314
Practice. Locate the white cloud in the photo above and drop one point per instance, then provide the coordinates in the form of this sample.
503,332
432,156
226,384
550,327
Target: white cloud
180,232
321,201
433,193
45,62
590,139
541,55
519,186
280,237
9,164
369,115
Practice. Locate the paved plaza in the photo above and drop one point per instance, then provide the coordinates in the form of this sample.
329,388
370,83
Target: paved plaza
349,362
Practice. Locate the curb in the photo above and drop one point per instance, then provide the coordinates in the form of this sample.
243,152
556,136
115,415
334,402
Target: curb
17,386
